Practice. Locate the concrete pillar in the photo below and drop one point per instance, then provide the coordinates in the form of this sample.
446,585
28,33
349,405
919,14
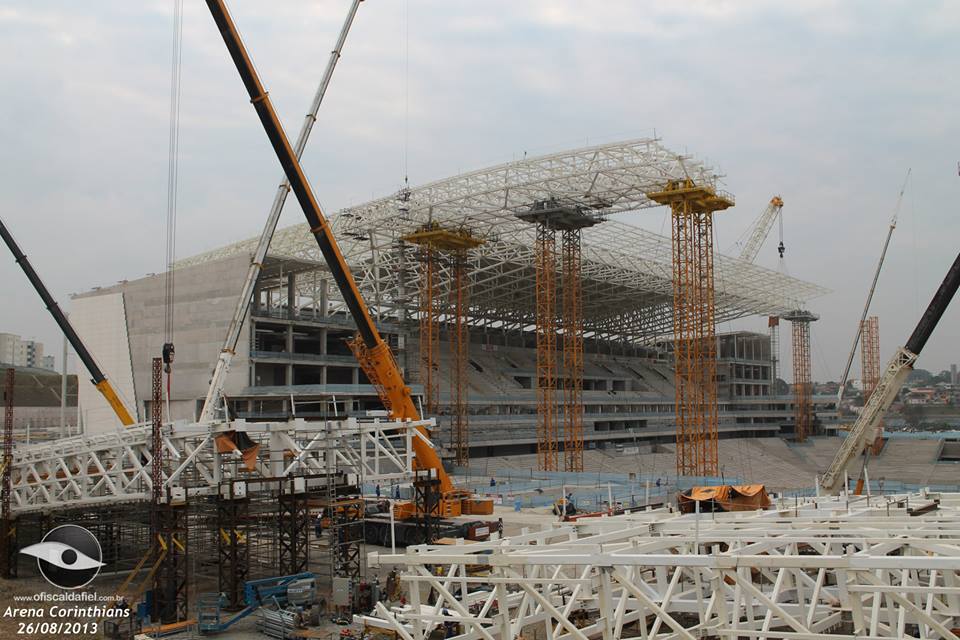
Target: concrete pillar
323,342
324,300
356,375
291,295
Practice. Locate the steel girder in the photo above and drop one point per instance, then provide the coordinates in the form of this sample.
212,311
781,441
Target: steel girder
115,467
626,270
860,567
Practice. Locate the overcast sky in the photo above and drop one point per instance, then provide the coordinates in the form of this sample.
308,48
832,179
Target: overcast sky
826,103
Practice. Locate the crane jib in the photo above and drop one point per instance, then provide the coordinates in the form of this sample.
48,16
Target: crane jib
939,303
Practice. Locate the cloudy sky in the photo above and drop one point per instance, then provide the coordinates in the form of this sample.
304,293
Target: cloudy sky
826,103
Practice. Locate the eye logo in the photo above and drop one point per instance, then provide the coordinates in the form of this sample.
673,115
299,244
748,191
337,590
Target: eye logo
69,556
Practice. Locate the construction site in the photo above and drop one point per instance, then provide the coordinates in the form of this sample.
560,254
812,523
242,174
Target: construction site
490,406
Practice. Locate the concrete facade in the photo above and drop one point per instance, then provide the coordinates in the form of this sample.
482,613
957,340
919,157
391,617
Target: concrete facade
205,297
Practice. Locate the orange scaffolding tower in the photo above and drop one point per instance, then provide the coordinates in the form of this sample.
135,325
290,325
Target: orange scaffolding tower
459,351
549,217
870,369
429,336
572,321
441,247
802,382
546,267
694,323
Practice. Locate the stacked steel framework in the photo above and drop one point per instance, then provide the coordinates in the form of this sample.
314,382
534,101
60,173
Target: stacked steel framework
550,216
626,270
429,343
445,252
548,457
460,349
870,369
802,381
168,523
694,321
572,321
877,567
773,326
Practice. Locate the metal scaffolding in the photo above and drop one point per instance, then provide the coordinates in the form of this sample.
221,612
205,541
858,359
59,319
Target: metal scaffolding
802,381
445,252
429,336
870,370
572,323
773,326
459,351
627,286
694,321
546,294
877,567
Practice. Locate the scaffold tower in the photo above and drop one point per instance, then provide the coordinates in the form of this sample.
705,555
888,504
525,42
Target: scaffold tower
773,326
870,369
551,216
800,320
694,321
445,250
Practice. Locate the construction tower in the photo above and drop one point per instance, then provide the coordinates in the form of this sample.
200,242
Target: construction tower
550,216
773,326
440,248
802,381
694,325
572,324
870,370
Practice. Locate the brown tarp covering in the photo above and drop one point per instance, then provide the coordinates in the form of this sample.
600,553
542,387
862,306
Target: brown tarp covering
229,441
744,497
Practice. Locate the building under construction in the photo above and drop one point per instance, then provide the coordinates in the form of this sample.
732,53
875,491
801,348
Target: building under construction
452,272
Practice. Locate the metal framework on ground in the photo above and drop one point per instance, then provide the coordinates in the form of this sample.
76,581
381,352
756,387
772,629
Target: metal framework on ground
626,272
832,568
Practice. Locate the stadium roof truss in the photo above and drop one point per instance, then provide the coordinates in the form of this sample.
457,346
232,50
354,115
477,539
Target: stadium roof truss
864,567
627,288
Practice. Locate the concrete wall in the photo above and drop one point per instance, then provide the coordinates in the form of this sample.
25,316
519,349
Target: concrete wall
205,296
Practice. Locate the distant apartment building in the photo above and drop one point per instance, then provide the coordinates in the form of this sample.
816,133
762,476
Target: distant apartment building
18,352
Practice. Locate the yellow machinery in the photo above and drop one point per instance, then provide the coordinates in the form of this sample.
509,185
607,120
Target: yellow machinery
99,380
371,351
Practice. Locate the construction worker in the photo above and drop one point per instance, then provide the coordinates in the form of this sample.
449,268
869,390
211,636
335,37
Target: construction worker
318,524
377,489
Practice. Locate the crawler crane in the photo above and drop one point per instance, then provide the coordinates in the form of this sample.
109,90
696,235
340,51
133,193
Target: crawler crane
371,350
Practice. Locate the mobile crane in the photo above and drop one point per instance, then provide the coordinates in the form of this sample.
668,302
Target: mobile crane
372,352
99,380
899,367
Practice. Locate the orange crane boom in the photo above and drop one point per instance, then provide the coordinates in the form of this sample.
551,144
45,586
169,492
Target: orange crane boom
372,351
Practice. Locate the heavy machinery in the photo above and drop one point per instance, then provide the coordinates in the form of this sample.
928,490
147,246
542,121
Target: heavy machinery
372,352
213,402
299,589
873,287
753,238
99,380
899,367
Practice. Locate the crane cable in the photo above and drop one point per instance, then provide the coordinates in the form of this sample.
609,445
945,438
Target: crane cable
173,154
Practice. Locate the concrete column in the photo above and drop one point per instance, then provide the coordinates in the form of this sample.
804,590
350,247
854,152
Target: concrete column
291,295
324,299
323,342
356,375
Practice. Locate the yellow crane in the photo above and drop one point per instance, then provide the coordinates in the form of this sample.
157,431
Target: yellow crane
99,380
371,350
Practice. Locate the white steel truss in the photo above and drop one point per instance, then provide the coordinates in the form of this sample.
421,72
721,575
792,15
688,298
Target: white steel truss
626,270
865,567
115,467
